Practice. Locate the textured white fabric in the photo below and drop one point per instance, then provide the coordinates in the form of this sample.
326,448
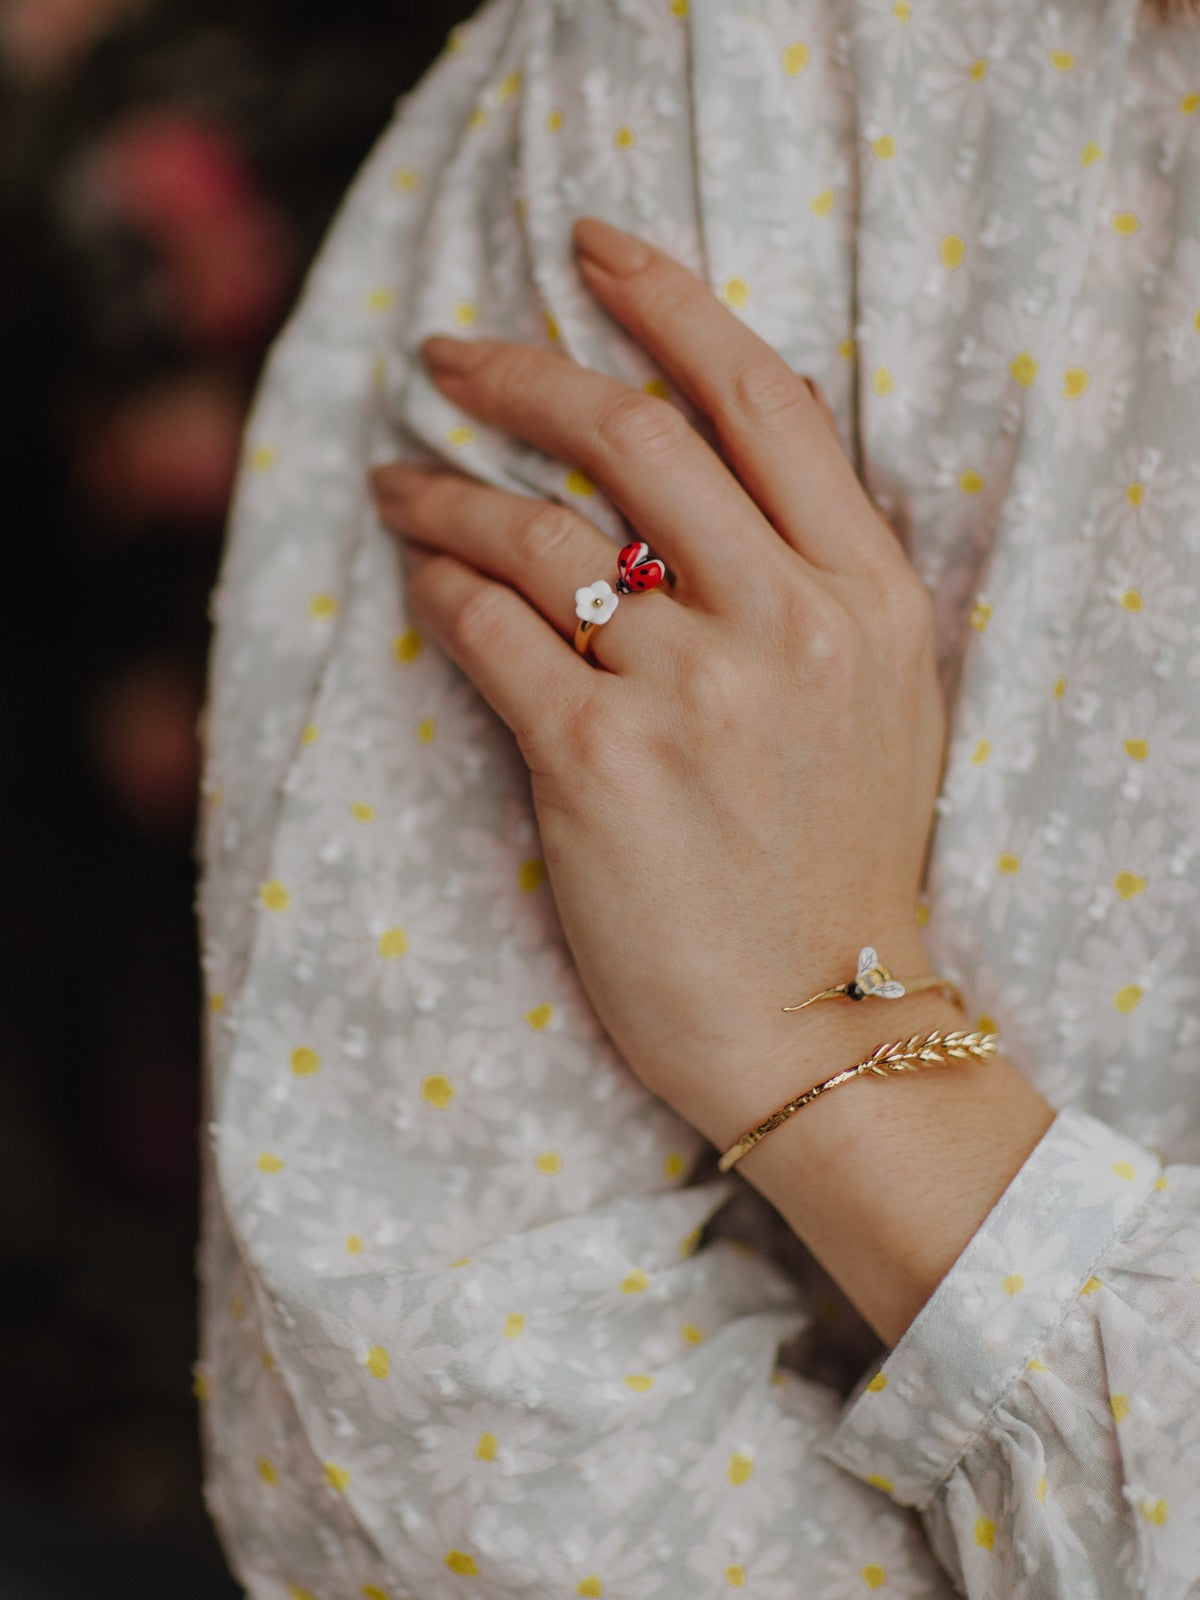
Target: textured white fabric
462,1333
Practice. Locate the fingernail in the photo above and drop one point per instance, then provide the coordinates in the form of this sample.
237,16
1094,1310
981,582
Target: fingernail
609,248
442,353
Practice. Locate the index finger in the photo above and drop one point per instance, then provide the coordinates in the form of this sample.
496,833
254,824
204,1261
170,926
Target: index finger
770,425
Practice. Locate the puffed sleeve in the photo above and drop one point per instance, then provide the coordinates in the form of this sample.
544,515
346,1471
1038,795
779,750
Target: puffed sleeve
1042,1412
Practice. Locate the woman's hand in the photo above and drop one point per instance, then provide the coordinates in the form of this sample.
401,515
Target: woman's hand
738,794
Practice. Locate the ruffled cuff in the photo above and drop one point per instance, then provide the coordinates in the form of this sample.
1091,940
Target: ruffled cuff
910,1422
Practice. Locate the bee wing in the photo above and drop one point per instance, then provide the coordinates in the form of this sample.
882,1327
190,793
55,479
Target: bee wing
866,960
891,990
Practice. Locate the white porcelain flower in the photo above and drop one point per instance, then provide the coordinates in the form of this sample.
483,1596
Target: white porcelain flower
596,602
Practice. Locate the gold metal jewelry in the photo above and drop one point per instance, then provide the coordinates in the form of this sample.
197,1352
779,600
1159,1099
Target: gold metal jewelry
892,1056
873,978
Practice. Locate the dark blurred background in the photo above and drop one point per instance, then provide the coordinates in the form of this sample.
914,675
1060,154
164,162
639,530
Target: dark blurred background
166,173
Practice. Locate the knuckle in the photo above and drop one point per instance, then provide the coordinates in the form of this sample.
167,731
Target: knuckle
478,624
641,426
708,679
542,532
767,390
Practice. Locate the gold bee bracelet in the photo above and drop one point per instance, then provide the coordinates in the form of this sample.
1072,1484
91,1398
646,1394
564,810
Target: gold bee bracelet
897,1055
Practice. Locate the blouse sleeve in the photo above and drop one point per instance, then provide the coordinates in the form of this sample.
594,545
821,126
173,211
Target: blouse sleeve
1042,1412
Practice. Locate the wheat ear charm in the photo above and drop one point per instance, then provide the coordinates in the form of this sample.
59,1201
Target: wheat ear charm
928,1050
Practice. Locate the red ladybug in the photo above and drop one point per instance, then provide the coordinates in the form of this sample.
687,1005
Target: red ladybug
638,570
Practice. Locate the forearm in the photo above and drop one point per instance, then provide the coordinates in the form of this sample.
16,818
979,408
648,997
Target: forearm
885,1179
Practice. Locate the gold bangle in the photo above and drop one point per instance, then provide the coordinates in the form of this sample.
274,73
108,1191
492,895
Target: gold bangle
892,1056
874,979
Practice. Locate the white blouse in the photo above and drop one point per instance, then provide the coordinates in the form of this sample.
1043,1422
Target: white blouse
479,1319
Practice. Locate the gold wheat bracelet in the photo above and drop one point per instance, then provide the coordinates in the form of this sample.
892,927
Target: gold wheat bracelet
892,1056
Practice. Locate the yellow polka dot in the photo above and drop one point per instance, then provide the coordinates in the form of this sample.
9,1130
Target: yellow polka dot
371,1591
406,179
970,482
304,1061
477,119
322,606
881,381
540,1017
736,293
463,1261
269,1163
1091,1285
437,1091
658,387
1024,369
1132,600
1034,1365
1127,999
639,1382
237,1307
392,944
553,331
1136,749
508,86
687,1245
1013,1284
1120,1406
216,1003
1135,494
691,1334
555,120
822,204
922,914
263,457
407,646
426,730
1090,154
878,1481
846,349
981,752
1162,1182
1075,381
201,1384
884,147
268,1360
735,1577
977,71
216,797
465,313
590,1586
1008,863
579,483
981,613
952,251
1155,1513
1189,103
514,1325
1059,689
985,1533
378,1362
531,874
624,138
362,811
458,1561
1124,1169
901,10
485,1450
795,59
549,1162
878,1383
309,734
1062,60
381,298
337,1477
673,1165
679,8
354,1245
1040,1489
985,1024
460,436
873,1575
635,1282
295,1592
1125,223
740,1469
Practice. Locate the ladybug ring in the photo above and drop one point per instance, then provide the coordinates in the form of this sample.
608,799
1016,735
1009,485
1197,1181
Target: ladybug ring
637,571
